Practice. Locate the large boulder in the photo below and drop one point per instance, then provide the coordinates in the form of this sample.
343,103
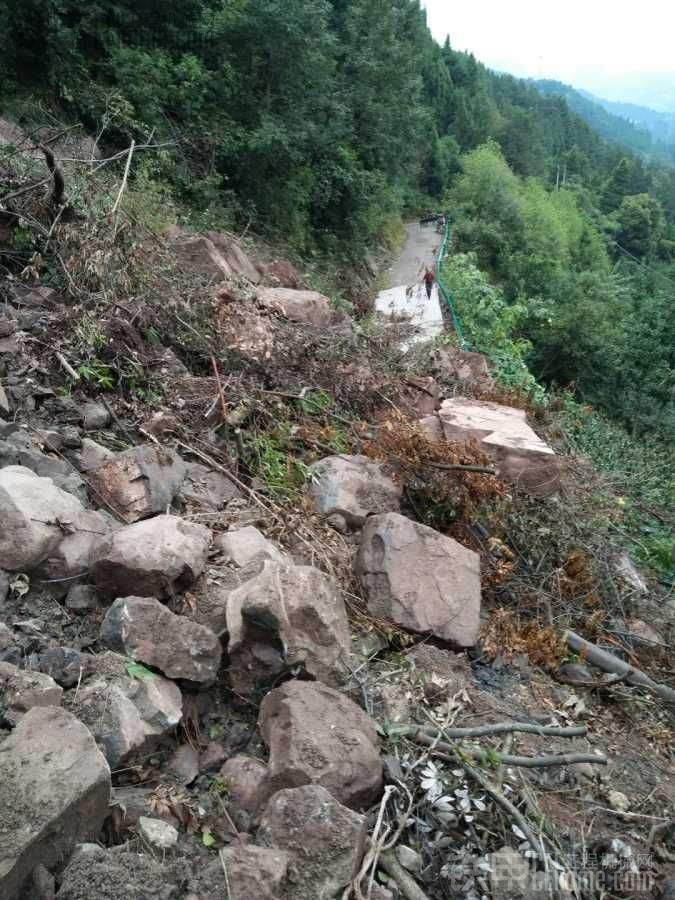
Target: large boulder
420,579
325,841
128,710
36,517
236,259
139,482
308,307
54,793
212,255
156,557
316,735
146,631
286,616
521,457
355,484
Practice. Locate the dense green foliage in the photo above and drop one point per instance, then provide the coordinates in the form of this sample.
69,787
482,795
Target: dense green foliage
323,120
640,130
591,294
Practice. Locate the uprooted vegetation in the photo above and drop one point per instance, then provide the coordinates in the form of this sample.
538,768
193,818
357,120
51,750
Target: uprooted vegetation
105,303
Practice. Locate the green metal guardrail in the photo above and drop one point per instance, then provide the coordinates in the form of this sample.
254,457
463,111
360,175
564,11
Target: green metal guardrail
443,287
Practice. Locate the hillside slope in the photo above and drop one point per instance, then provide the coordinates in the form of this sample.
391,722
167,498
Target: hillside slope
285,605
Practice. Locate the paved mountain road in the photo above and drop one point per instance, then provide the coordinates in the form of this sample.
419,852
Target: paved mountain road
406,296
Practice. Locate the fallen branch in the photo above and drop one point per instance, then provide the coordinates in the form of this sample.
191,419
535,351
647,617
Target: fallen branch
456,467
446,751
496,795
405,881
507,728
57,176
615,666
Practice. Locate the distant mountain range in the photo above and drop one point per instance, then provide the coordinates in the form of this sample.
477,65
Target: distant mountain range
644,131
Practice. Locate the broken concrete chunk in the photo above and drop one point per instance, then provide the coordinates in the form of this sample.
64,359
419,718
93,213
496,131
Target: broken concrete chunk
520,455
139,482
157,557
316,735
353,483
325,841
146,631
286,616
54,793
420,579
128,710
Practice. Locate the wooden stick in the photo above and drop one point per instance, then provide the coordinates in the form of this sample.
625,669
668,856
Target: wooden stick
506,728
125,178
445,751
615,666
223,405
67,366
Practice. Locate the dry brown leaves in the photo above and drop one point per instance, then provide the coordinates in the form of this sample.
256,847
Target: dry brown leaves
419,460
506,636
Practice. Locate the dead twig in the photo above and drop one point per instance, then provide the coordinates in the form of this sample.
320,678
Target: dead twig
67,366
403,879
508,727
496,795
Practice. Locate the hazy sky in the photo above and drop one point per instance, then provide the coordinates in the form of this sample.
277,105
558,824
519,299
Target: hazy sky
583,42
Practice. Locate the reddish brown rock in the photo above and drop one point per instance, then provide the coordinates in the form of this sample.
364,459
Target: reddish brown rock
521,457
138,483
356,484
308,307
211,255
245,777
419,396
325,841
318,736
282,273
469,370
286,616
236,259
147,632
420,579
